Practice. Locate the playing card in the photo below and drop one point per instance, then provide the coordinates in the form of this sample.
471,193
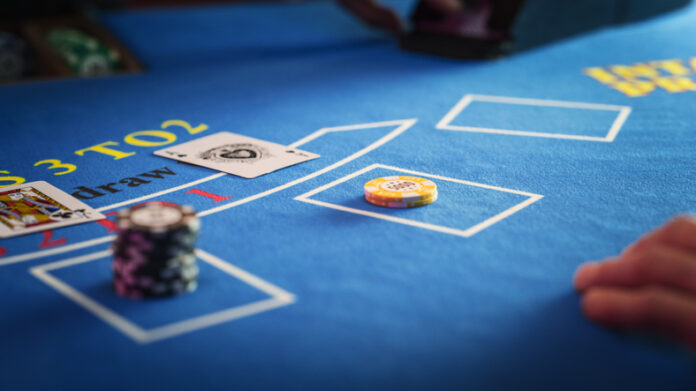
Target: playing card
38,206
236,154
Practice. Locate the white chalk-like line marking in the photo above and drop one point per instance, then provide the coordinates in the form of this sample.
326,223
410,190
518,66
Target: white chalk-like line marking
163,192
503,215
229,315
619,123
454,112
545,102
401,126
404,125
526,133
120,323
279,297
446,121
245,276
419,224
56,250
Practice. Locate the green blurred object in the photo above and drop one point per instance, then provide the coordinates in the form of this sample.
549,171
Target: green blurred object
84,55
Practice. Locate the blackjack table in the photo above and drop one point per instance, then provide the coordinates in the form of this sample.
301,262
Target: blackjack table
543,159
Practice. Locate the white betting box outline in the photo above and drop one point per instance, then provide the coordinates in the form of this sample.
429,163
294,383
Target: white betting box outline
439,228
401,126
279,298
623,113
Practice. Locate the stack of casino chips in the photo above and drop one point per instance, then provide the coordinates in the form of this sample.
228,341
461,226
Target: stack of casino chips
84,54
154,251
15,57
400,192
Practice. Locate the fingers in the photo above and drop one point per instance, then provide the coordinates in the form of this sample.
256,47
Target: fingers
370,12
680,231
656,265
659,310
651,286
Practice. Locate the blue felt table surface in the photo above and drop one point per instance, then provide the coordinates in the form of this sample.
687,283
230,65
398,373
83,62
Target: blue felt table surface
383,299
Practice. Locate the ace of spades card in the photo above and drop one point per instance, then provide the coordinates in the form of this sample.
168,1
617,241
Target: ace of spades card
236,154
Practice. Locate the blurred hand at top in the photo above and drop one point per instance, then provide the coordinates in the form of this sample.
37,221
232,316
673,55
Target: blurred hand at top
374,14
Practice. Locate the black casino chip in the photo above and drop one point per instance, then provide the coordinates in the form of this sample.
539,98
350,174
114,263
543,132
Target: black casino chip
154,251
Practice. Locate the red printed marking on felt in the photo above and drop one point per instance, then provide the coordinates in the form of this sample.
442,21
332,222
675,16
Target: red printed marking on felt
3,251
47,242
215,197
108,224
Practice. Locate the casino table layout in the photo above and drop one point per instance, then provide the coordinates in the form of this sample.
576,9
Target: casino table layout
544,160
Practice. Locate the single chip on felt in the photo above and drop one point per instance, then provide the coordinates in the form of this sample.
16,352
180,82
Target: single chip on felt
400,191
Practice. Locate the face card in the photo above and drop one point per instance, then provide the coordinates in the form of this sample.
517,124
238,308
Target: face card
236,154
39,206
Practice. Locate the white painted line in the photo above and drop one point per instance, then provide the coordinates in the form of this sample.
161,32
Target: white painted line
461,181
160,193
545,102
296,144
454,112
338,181
73,261
413,223
323,131
56,250
618,124
245,276
403,125
524,133
202,322
419,224
503,215
120,323
279,297
446,122
412,172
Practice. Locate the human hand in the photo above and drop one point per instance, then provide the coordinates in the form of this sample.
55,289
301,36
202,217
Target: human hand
650,286
376,15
